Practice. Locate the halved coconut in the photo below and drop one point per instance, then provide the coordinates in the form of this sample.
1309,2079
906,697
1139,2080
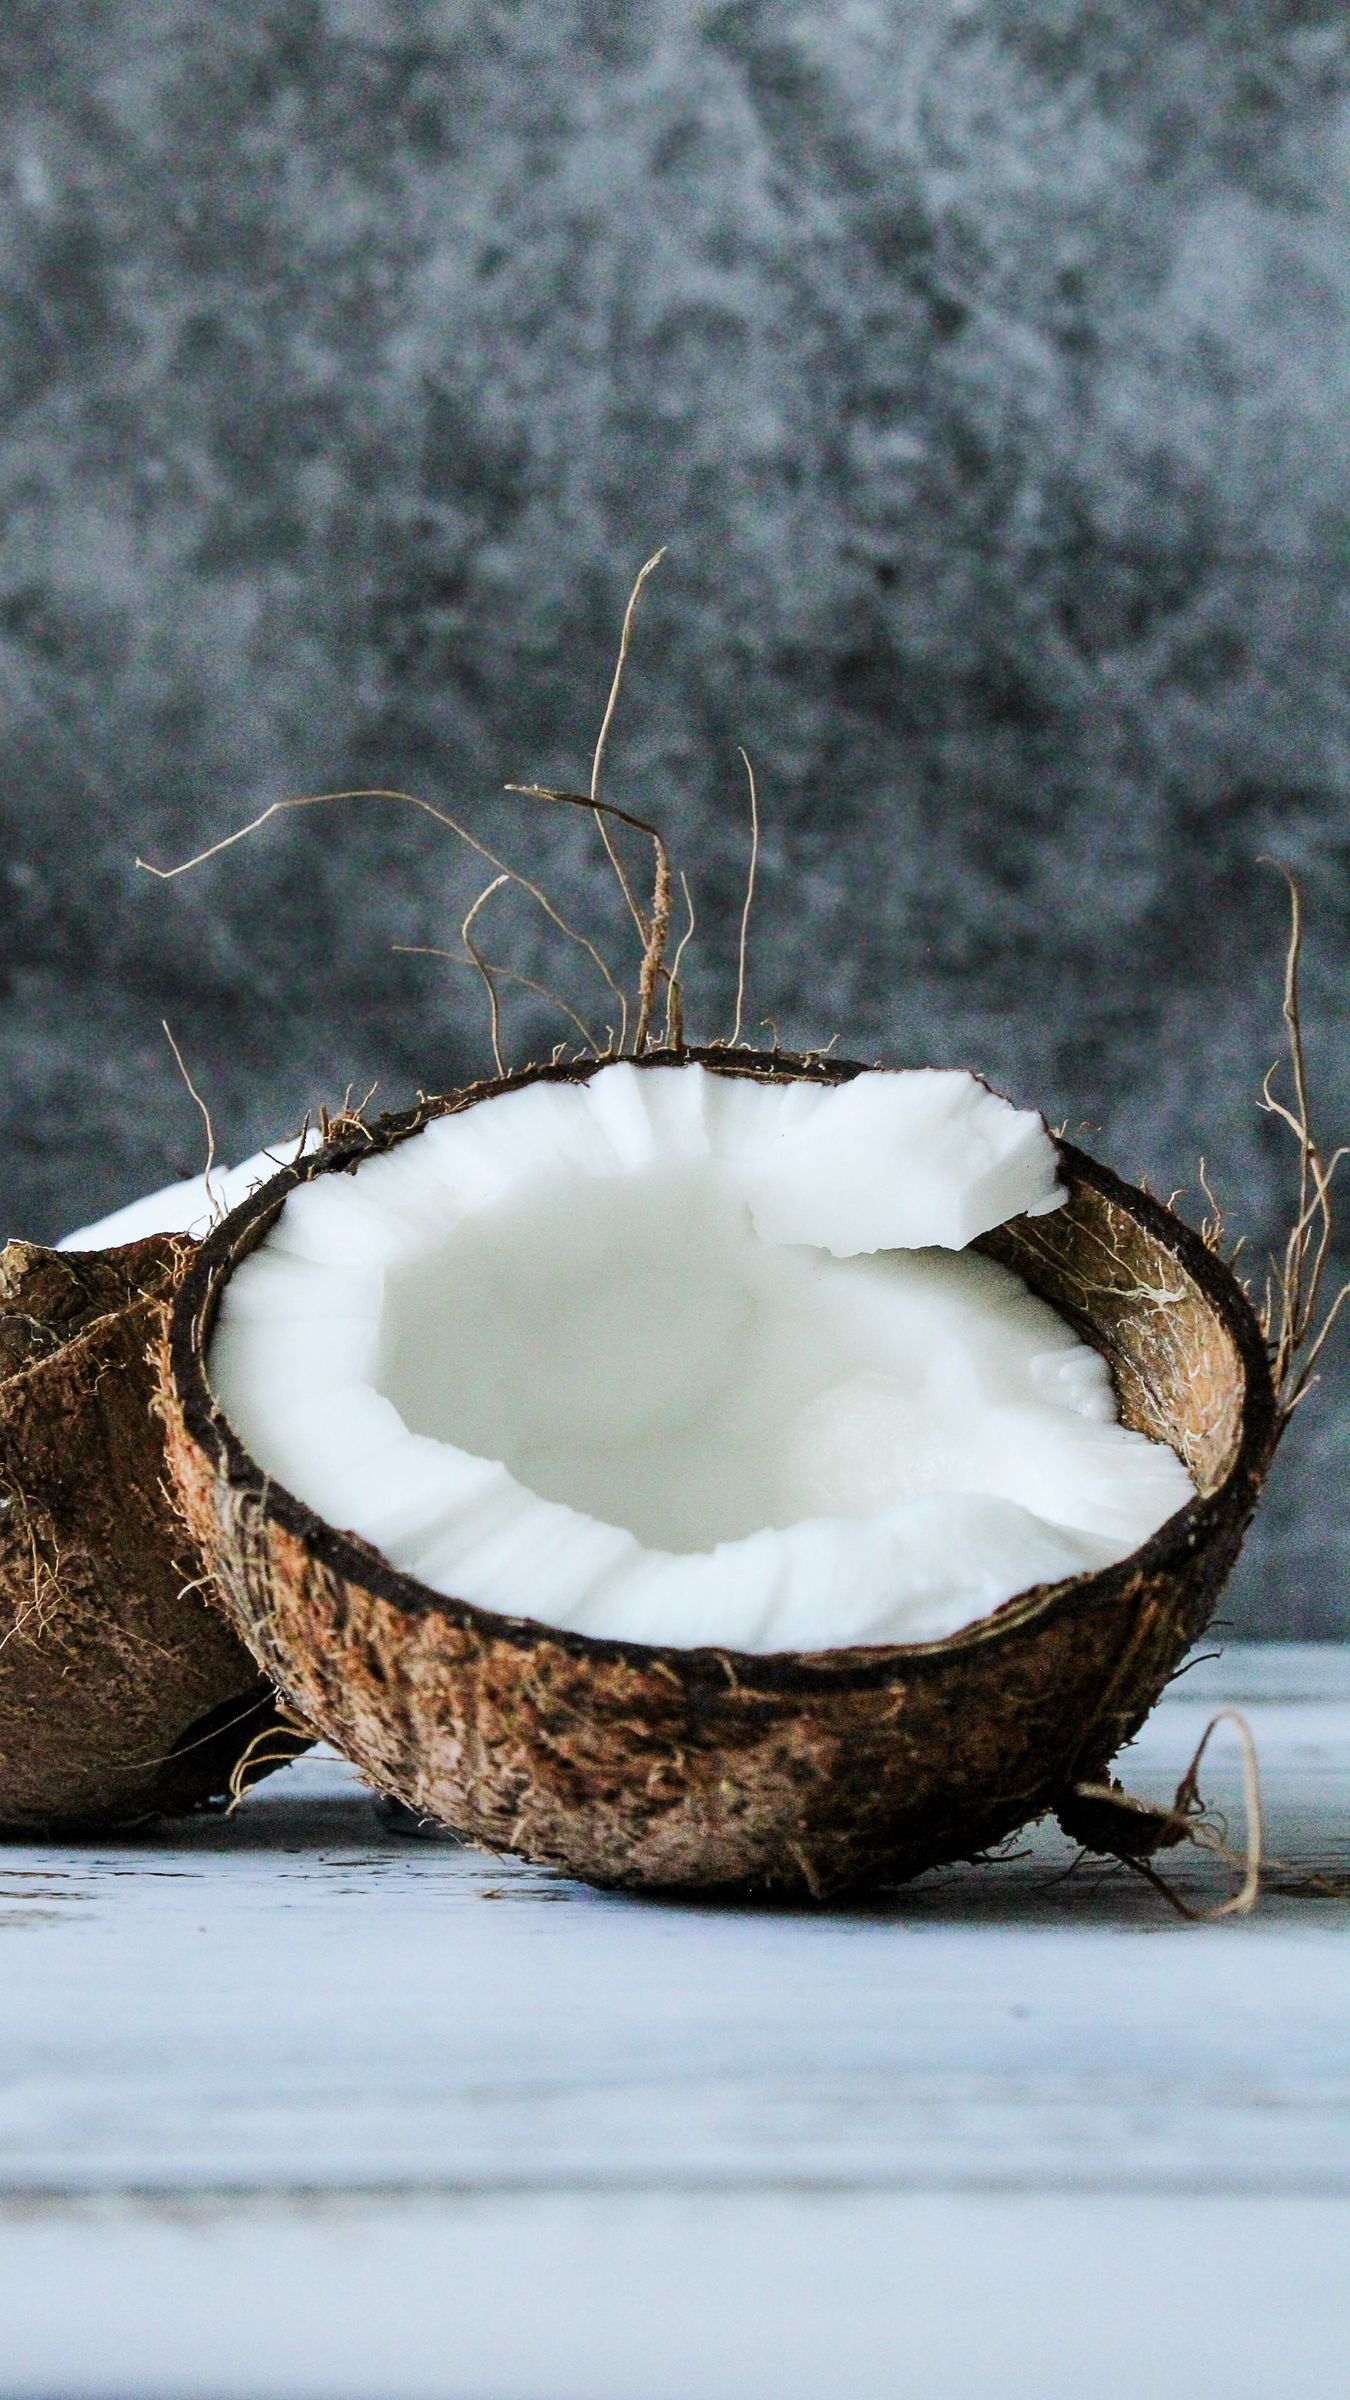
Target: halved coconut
717,1471
122,1694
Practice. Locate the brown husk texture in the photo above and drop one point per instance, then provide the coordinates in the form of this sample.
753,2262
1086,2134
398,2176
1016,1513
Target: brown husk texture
122,1693
720,1771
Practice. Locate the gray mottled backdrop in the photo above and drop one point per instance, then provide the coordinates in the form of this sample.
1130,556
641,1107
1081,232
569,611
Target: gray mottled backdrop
985,367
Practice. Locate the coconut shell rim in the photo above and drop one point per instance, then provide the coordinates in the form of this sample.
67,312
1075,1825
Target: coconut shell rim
856,1666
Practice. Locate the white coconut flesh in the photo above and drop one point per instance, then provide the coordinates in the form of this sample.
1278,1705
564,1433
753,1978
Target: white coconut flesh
191,1206
678,1357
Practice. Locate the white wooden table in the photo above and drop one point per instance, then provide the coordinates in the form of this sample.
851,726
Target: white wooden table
292,2106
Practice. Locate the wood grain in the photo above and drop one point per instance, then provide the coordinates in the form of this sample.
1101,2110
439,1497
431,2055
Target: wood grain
297,2000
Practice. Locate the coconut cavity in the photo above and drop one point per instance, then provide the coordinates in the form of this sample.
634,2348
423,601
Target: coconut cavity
686,1358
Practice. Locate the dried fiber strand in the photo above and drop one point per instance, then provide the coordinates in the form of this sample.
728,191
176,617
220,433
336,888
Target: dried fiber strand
1295,1322
214,1202
749,901
484,968
1187,1820
602,738
440,816
674,1034
656,929
289,1737
528,983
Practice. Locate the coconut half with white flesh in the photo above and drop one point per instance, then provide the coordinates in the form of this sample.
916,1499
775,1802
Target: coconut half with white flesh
717,1471
190,1206
124,1694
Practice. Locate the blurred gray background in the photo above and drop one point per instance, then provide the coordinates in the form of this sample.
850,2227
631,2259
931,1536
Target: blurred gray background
985,367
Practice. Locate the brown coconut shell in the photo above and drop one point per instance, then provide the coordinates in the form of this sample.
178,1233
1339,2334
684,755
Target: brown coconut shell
720,1771
122,1694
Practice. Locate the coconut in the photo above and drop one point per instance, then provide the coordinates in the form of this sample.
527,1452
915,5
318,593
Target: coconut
680,1650
122,1694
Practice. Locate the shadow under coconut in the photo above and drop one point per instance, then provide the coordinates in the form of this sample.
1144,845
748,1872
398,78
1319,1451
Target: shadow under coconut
1038,1878
339,1836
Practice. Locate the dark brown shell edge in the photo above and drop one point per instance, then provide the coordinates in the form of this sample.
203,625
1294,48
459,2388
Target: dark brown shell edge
789,1774
123,1696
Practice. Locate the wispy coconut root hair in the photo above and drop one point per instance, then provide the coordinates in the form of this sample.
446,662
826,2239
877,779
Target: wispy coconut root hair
653,1014
1295,1318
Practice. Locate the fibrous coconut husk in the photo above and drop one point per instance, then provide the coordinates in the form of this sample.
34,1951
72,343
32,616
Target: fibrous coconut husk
785,1774
122,1694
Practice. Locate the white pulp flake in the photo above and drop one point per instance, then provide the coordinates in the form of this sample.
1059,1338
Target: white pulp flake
680,1357
189,1207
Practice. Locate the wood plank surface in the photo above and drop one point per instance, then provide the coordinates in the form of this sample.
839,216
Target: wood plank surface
398,2069
296,1999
